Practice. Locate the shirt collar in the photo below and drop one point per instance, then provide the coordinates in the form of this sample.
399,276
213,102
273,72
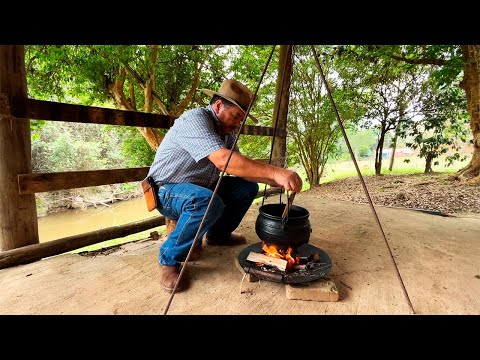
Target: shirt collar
214,116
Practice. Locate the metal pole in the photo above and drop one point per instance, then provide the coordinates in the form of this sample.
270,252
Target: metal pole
217,186
361,177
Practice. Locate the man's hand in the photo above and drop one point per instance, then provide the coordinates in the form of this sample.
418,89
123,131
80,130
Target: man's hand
289,179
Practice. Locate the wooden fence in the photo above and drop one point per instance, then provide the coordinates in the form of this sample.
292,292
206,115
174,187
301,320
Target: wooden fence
19,242
18,108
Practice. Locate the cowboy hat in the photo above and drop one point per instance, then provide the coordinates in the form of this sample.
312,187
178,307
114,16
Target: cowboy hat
235,92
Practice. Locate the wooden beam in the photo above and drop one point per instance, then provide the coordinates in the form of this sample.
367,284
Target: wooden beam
270,191
276,162
24,108
35,183
282,96
54,111
18,213
29,253
42,182
262,131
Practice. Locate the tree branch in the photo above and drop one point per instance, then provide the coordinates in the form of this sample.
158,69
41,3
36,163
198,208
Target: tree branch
424,61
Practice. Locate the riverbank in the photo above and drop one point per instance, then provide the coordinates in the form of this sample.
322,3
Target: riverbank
49,203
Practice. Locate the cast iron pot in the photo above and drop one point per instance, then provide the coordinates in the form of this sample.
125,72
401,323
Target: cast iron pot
272,229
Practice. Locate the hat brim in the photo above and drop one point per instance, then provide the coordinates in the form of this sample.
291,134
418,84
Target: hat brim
211,93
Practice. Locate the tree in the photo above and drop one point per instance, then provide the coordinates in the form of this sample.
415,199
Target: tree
390,95
443,122
150,78
312,123
449,61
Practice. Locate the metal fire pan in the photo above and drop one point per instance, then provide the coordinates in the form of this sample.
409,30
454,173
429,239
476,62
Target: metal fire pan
314,272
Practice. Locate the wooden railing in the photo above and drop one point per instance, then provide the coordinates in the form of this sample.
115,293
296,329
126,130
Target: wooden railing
24,108
53,111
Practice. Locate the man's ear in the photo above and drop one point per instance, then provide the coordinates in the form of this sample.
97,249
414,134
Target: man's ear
216,105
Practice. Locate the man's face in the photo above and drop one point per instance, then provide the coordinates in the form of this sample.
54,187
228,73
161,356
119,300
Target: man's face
230,118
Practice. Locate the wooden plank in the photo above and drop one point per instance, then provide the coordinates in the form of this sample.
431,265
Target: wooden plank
54,111
29,253
270,191
41,182
265,259
24,108
35,183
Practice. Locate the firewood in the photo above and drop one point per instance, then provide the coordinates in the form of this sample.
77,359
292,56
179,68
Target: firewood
255,257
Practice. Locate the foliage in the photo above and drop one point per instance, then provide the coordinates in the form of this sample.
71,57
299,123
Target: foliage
443,124
247,65
35,127
312,122
68,147
60,147
367,82
397,81
362,142
134,148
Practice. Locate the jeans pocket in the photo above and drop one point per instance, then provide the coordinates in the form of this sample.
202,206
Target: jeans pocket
165,201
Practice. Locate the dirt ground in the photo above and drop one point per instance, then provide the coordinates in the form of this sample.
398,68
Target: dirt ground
436,256
434,193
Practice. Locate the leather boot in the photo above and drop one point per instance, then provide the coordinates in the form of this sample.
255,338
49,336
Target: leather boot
231,240
168,276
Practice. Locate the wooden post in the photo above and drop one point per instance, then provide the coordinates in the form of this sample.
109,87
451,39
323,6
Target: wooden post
18,213
282,97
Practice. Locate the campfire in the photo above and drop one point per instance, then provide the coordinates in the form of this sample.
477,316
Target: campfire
277,252
282,258
284,263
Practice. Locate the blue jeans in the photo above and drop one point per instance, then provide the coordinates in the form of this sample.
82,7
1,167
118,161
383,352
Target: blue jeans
187,203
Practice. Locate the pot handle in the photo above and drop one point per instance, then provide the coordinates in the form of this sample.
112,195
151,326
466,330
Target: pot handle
286,210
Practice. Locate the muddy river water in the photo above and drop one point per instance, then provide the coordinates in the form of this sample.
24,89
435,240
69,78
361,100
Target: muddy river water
73,222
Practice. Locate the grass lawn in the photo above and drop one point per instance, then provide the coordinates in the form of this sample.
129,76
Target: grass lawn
416,165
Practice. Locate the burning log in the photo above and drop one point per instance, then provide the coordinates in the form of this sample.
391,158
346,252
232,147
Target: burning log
255,257
261,274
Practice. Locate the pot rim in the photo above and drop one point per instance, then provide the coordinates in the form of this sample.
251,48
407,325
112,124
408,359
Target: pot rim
275,217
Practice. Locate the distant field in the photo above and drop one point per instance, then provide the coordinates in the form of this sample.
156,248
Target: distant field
345,169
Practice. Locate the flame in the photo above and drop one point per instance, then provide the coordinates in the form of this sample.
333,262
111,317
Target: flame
287,254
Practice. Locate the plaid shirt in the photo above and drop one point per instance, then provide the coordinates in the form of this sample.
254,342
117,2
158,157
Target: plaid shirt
182,155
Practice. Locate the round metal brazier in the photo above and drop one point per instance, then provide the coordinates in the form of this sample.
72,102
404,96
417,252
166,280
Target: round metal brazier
272,229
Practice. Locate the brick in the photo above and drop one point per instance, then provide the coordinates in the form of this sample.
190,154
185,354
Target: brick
318,290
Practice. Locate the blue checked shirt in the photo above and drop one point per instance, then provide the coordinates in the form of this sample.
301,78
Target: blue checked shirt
182,155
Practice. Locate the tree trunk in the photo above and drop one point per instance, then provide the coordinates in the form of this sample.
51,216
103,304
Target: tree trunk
428,164
378,153
394,147
395,138
471,85
153,136
18,213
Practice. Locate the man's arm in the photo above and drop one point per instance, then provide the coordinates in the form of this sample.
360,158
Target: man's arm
256,171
